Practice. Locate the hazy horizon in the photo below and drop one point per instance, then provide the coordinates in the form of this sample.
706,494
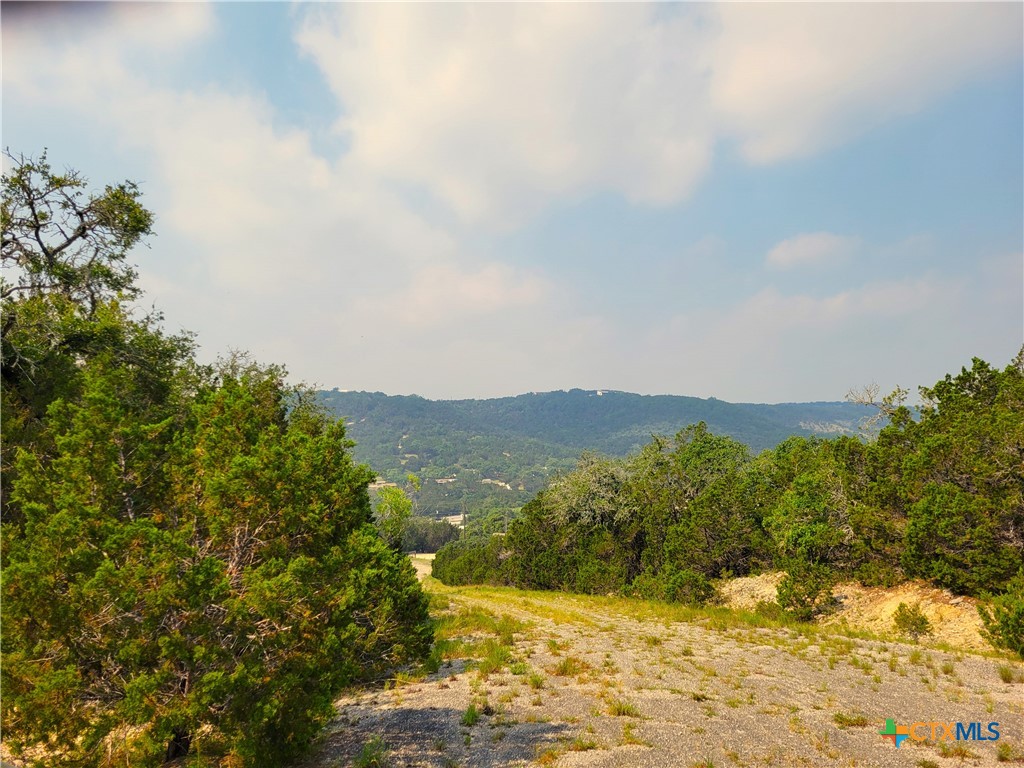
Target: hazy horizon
752,202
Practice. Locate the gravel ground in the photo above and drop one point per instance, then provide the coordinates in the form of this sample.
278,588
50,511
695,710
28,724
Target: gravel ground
662,692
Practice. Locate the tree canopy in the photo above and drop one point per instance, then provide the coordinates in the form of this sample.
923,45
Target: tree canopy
190,565
937,495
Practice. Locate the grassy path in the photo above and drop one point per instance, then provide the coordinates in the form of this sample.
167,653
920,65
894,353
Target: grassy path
529,678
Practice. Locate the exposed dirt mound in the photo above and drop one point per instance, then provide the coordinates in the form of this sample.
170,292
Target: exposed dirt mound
748,591
954,619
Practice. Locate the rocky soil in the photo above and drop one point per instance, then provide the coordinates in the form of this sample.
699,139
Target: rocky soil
591,681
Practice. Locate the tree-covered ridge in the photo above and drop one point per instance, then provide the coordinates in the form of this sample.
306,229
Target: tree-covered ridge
938,495
523,441
190,565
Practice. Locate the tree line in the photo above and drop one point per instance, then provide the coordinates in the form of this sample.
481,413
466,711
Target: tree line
937,495
190,566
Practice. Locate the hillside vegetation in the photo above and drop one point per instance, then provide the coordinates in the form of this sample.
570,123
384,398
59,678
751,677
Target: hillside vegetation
939,497
521,442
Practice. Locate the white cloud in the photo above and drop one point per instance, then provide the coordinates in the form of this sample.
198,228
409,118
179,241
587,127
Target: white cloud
774,346
449,295
501,112
501,109
65,51
791,79
811,249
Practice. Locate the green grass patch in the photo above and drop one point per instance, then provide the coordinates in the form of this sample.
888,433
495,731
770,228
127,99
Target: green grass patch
629,735
374,754
622,708
844,720
581,744
570,666
494,656
471,716
1009,674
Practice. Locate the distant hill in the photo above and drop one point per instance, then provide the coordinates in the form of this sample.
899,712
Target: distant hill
496,454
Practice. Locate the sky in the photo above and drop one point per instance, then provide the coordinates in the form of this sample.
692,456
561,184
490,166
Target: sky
755,202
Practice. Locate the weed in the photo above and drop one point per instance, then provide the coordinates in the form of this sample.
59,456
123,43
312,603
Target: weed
1009,674
629,735
622,708
579,744
471,716
402,679
570,666
495,657
947,667
548,756
374,754
439,603
1007,752
506,627
955,750
844,720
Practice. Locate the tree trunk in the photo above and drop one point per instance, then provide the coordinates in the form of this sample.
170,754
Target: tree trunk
178,745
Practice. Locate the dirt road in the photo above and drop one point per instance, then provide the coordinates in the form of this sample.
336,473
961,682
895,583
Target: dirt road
609,682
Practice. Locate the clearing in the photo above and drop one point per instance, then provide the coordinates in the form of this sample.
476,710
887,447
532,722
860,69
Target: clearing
538,678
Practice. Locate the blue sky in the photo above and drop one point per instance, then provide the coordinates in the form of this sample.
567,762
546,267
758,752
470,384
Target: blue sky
754,202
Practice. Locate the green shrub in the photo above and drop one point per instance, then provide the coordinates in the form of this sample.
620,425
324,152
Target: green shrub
190,572
169,612
911,621
805,589
1003,617
468,561
674,585
374,754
